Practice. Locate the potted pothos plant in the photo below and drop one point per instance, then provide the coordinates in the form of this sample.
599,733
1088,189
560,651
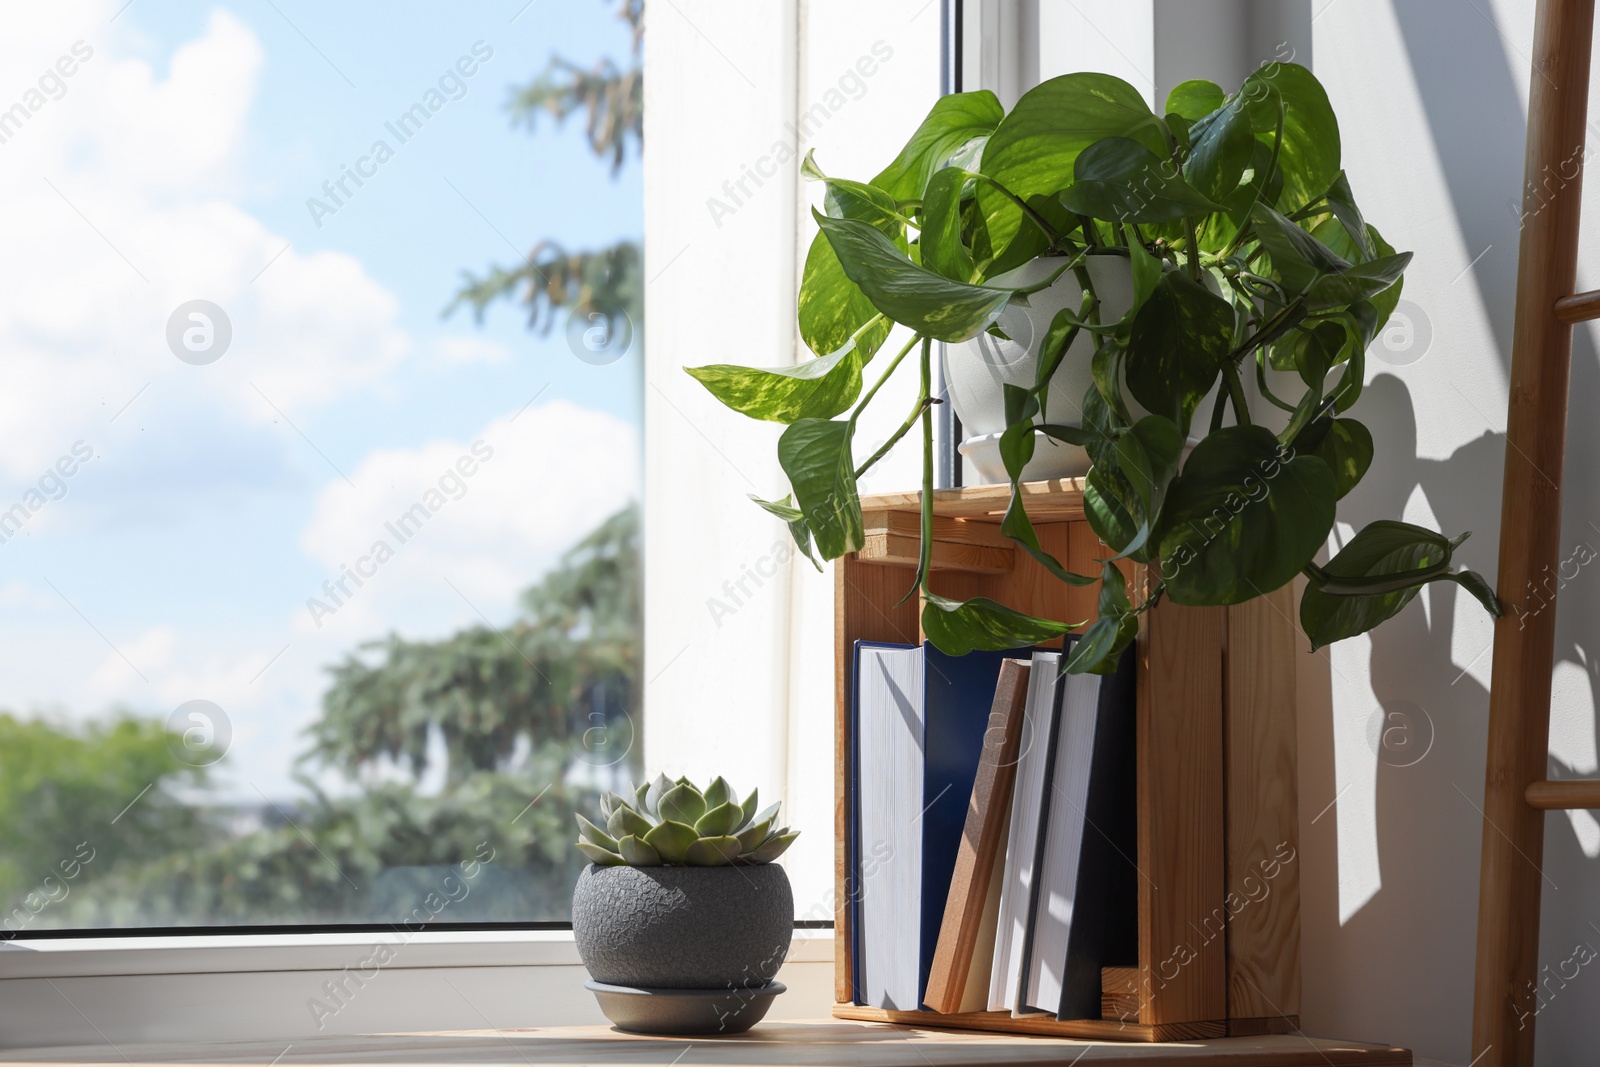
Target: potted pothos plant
1182,258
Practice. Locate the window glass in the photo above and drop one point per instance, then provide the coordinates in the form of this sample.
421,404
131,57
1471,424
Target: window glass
320,399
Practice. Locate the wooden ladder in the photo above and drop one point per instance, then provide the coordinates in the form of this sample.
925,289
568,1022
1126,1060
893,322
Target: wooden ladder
1516,794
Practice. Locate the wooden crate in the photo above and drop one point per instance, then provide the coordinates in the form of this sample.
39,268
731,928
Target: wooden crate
1219,939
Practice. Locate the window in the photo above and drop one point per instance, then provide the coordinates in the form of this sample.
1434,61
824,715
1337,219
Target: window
320,606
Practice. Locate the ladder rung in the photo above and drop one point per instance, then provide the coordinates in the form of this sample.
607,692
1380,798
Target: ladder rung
1563,795
1579,307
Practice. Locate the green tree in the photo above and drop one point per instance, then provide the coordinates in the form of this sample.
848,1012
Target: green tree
517,708
77,801
566,670
605,281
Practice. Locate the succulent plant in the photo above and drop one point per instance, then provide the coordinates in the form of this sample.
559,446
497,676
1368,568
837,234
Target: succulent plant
674,823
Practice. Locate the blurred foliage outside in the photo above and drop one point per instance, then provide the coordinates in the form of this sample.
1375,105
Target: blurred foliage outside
102,825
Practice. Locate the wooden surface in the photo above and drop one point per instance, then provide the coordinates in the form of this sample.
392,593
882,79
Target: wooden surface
1579,307
1530,530
1263,816
1057,500
1564,795
1119,994
958,544
1182,918
987,812
1037,1025
867,606
773,1044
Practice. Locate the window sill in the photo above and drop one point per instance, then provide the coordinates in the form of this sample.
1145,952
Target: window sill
79,957
228,987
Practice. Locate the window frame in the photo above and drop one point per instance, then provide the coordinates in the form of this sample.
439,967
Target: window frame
215,983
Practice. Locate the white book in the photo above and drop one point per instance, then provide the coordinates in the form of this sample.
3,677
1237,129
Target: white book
1027,804
889,746
1065,804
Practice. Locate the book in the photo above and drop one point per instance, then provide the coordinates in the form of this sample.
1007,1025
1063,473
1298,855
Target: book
1084,888
964,954
1105,930
1027,801
919,724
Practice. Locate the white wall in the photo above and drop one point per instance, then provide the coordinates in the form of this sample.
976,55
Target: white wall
1434,101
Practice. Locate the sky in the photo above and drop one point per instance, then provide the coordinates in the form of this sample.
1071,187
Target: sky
185,558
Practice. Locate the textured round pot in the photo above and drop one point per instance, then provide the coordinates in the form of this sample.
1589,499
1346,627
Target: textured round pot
683,927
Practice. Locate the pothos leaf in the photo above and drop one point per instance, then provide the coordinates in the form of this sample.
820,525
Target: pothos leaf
1176,346
1375,576
795,520
815,454
929,303
954,123
816,389
1245,517
957,627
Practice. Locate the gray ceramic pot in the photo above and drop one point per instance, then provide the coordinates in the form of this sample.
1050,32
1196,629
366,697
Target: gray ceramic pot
683,927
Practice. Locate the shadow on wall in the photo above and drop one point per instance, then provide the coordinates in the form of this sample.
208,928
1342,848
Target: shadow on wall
1401,967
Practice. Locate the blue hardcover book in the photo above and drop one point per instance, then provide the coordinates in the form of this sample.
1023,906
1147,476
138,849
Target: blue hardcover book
918,723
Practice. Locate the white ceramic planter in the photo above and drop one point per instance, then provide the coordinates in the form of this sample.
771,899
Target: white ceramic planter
976,372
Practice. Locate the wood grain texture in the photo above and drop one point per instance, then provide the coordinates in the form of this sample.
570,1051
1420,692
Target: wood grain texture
1563,795
984,532
902,550
1182,919
1056,500
895,537
1261,754
1029,586
1579,307
865,608
1119,994
1187,853
1001,1022
1530,530
820,1043
981,841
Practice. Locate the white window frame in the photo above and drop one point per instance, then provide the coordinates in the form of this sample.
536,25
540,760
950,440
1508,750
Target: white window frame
222,987
751,698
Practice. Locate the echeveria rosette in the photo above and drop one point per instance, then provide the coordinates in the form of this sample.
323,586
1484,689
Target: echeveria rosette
676,824
1250,258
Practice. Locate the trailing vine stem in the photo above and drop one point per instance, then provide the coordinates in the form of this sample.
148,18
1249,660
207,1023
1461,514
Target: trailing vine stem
925,558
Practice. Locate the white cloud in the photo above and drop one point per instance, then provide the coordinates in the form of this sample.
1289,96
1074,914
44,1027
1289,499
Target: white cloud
115,201
464,348
539,481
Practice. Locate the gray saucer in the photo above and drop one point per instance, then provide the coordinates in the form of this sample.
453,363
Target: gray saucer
702,1012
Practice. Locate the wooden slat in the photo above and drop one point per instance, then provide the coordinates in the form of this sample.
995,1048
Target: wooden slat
984,532
1002,1022
1263,873
1031,588
1579,307
1563,796
1058,500
1119,994
903,550
1530,531
1182,950
865,608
